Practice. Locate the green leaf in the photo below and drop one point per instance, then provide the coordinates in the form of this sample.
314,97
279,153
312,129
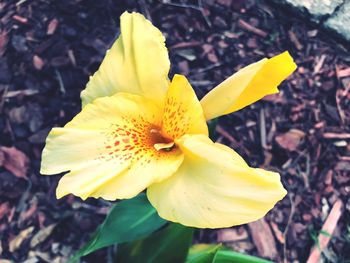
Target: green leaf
203,253
325,233
212,126
225,255
170,244
127,221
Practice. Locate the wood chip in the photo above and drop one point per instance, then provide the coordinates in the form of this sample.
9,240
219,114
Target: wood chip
295,40
342,73
51,28
263,239
246,26
3,42
20,19
328,227
38,62
319,64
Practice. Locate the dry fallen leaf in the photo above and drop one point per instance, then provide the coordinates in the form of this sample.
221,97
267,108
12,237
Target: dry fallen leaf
14,161
18,240
42,235
290,140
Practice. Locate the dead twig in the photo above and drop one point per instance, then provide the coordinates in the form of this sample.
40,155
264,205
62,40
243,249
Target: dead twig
15,93
262,129
193,7
220,130
289,222
185,45
295,40
244,25
60,81
331,135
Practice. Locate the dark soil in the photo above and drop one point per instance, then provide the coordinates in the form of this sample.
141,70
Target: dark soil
49,48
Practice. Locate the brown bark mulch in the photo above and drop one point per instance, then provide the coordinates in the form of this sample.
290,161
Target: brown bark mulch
49,48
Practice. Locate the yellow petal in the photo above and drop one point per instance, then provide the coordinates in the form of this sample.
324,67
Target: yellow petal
109,149
137,63
183,113
214,187
248,85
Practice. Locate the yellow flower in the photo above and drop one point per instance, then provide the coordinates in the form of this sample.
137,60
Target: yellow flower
137,130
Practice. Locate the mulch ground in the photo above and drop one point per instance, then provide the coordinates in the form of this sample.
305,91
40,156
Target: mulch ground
49,48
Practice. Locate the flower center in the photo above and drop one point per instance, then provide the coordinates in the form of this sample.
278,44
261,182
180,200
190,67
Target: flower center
160,142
